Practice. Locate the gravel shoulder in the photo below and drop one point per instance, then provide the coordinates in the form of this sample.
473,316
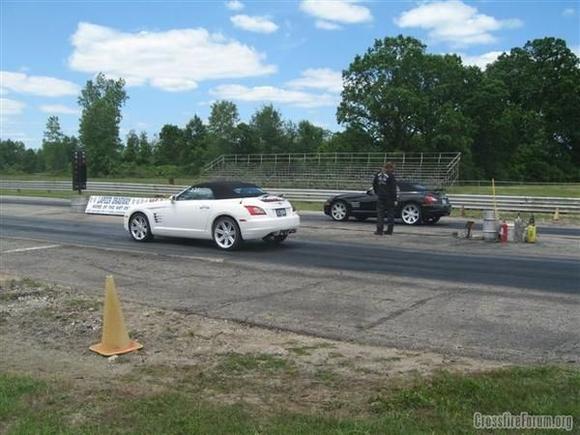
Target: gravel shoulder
441,314
46,329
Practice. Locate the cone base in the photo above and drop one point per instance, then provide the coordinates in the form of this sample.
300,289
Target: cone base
101,349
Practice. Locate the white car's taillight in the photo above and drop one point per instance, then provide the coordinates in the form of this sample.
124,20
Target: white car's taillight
255,211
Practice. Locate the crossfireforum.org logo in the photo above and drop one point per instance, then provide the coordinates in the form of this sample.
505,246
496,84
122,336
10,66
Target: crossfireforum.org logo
507,420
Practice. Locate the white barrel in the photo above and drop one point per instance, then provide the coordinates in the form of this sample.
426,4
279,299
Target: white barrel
511,232
78,204
490,226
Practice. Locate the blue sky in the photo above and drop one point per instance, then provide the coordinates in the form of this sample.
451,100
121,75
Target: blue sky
178,57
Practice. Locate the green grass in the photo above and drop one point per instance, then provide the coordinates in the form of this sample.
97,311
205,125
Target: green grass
20,410
441,405
39,193
12,390
563,189
242,363
571,190
35,177
326,376
308,206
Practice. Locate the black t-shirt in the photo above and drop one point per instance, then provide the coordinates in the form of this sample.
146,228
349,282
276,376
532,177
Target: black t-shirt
385,186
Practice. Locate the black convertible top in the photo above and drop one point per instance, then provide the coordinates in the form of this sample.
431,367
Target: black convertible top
232,189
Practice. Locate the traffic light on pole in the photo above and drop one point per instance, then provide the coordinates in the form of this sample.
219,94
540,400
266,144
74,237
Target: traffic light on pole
79,170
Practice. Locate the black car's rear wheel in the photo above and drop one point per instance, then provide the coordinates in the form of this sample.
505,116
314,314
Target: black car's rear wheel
339,211
411,214
431,220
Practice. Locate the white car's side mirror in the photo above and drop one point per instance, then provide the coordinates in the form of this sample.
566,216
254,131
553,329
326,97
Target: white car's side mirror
172,198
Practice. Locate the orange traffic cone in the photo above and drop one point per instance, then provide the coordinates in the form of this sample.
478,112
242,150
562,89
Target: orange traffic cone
115,339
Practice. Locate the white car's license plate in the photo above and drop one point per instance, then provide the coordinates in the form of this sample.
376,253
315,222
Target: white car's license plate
280,212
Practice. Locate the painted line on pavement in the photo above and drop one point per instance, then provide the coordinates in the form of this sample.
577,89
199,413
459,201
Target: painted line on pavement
128,251
34,248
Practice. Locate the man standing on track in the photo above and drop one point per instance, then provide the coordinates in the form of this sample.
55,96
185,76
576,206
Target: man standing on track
385,186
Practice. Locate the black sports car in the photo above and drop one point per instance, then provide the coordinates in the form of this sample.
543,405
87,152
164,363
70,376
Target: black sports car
415,204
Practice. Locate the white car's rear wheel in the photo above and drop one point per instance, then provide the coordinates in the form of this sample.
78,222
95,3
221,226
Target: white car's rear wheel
226,234
139,228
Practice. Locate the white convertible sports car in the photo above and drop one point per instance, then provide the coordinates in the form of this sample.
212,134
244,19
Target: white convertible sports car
227,212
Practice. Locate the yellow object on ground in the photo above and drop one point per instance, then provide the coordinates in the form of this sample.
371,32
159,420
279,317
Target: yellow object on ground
557,214
115,339
531,234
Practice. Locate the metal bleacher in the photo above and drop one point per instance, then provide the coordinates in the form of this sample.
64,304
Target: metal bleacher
333,170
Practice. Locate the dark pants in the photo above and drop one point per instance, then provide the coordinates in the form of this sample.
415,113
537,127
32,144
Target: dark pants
388,206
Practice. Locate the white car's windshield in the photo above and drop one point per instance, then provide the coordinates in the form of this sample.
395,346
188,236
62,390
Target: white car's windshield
248,191
222,190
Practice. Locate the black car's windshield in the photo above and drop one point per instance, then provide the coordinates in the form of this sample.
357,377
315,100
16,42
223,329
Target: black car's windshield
411,187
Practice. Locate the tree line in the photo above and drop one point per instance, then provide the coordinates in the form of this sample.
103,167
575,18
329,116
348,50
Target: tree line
519,119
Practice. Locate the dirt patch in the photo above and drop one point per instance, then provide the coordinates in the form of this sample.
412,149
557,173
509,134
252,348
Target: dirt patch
46,330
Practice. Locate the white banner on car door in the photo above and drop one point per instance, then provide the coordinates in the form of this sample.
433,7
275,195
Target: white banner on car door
114,205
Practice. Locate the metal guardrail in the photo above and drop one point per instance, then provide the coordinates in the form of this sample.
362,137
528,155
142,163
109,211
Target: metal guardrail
469,202
488,183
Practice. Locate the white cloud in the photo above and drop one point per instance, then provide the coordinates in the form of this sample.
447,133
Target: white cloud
174,60
274,95
455,22
10,107
320,124
234,5
336,11
569,12
254,24
59,108
30,141
481,60
326,25
36,85
324,79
